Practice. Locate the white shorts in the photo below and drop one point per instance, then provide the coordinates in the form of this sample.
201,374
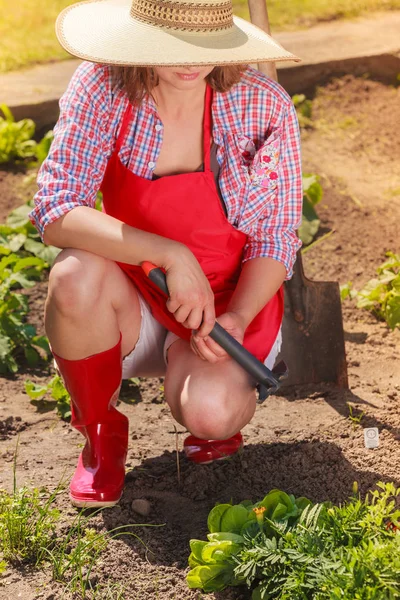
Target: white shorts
149,357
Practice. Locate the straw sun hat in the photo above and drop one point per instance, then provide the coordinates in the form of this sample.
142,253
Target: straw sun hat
164,32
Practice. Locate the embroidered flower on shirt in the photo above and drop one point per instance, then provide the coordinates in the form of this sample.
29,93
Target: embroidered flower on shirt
263,171
247,149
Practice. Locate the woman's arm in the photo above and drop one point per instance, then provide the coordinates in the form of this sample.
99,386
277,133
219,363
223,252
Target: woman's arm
259,280
87,229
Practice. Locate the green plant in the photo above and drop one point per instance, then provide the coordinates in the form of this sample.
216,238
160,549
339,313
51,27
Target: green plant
27,522
56,390
354,417
347,552
30,533
109,591
381,295
346,291
23,259
212,561
78,550
16,335
304,109
312,195
19,235
16,143
74,557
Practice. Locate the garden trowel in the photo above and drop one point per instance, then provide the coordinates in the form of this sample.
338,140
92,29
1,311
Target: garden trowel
313,337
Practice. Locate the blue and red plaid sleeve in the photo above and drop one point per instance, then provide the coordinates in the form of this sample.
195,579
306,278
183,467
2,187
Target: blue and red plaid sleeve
277,181
72,173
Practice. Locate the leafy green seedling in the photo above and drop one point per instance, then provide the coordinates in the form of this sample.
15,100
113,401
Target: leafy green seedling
16,143
312,195
16,335
355,417
56,390
381,295
304,110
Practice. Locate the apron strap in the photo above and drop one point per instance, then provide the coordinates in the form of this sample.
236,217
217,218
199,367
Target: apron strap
124,126
207,129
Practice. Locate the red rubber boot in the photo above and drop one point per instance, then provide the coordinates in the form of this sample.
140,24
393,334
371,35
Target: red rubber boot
94,384
203,452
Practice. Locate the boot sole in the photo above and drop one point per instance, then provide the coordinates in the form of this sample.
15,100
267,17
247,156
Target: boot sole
92,503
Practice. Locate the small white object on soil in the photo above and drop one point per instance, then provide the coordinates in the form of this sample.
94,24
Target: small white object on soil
141,507
371,437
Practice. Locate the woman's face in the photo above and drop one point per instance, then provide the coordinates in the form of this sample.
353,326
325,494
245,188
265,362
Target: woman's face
183,78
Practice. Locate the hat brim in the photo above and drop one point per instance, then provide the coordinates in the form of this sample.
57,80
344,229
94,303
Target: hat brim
105,32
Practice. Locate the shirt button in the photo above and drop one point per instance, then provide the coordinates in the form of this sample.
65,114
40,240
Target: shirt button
151,165
158,127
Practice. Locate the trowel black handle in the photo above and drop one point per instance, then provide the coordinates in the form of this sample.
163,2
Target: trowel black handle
264,376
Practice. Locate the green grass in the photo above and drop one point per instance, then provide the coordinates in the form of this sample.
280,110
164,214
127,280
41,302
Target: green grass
298,14
27,32
27,28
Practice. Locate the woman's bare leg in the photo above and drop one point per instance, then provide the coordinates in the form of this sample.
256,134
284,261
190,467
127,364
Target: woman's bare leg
213,401
90,301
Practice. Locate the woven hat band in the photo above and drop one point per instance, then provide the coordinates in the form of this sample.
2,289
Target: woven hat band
183,16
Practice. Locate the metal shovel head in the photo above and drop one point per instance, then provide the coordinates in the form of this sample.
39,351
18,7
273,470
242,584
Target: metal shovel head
312,331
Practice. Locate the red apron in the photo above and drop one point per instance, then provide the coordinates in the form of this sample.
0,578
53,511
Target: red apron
187,209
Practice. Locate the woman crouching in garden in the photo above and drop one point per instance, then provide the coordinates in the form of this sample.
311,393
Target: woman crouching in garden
197,157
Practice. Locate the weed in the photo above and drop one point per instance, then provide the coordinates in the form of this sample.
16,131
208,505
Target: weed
23,260
312,195
347,123
109,591
381,295
27,522
56,389
16,140
303,109
29,535
392,192
355,417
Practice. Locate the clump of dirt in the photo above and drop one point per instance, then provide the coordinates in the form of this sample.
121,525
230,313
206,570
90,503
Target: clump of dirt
10,426
304,440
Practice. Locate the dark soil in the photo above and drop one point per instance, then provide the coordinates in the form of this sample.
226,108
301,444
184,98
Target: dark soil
301,440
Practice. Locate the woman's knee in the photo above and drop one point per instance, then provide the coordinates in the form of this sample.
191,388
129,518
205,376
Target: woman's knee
217,413
76,281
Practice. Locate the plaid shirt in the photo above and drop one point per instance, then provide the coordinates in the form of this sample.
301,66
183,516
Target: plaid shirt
254,125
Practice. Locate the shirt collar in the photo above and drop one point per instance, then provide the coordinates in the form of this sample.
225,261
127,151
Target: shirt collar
148,104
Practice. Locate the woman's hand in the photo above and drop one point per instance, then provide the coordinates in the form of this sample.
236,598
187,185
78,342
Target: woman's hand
191,298
207,349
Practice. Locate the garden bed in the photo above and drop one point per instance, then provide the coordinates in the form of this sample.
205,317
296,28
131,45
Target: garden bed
301,441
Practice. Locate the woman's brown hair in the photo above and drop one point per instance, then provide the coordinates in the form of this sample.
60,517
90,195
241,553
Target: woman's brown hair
139,81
